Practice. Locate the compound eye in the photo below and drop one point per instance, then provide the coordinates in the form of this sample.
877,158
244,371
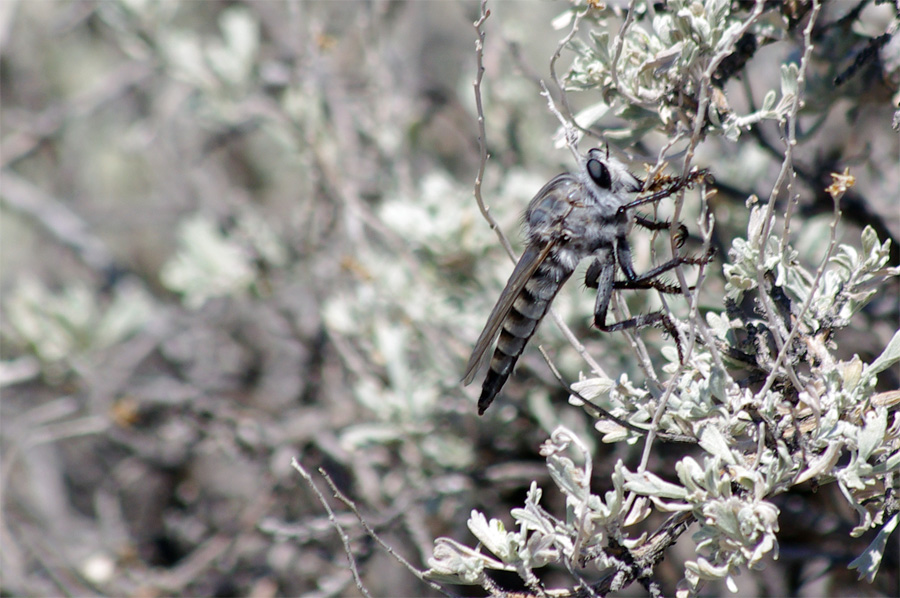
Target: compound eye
599,173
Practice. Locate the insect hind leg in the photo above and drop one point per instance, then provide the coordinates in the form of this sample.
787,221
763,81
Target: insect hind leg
601,275
656,318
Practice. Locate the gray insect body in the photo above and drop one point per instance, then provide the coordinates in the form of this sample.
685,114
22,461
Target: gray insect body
572,217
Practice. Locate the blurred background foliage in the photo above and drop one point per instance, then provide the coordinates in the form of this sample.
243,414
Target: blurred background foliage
237,232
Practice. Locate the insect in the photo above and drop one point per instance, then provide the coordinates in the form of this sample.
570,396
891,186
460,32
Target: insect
574,216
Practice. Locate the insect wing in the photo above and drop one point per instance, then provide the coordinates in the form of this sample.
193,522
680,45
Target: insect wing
524,270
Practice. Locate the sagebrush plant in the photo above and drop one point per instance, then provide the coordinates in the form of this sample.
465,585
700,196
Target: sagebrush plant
253,237
762,395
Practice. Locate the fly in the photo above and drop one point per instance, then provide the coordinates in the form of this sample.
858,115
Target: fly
574,216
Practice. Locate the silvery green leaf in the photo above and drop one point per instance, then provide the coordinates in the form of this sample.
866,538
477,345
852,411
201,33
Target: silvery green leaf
532,520
847,258
719,381
723,514
531,516
590,115
259,234
718,11
453,562
59,325
755,226
713,441
593,387
615,498
689,472
706,570
892,463
851,372
603,46
731,584
539,550
768,101
850,476
639,511
691,50
648,484
208,264
888,357
789,75
565,475
47,322
493,536
821,464
869,240
448,451
869,561
533,497
391,342
612,432
877,255
185,59
130,310
732,129
702,28
871,436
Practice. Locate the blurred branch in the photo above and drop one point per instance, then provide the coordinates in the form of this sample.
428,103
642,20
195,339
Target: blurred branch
23,141
62,224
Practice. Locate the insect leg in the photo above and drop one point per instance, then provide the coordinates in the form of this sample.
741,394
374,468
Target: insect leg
681,234
601,275
678,185
647,279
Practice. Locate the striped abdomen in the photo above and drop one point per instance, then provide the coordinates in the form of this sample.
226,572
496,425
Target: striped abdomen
530,305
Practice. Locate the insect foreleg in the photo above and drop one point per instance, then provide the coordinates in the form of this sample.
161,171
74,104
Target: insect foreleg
678,185
651,224
680,234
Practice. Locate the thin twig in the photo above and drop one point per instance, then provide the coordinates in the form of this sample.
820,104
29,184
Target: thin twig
569,130
618,45
482,134
387,547
699,324
576,344
563,97
779,333
337,526
806,304
601,410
